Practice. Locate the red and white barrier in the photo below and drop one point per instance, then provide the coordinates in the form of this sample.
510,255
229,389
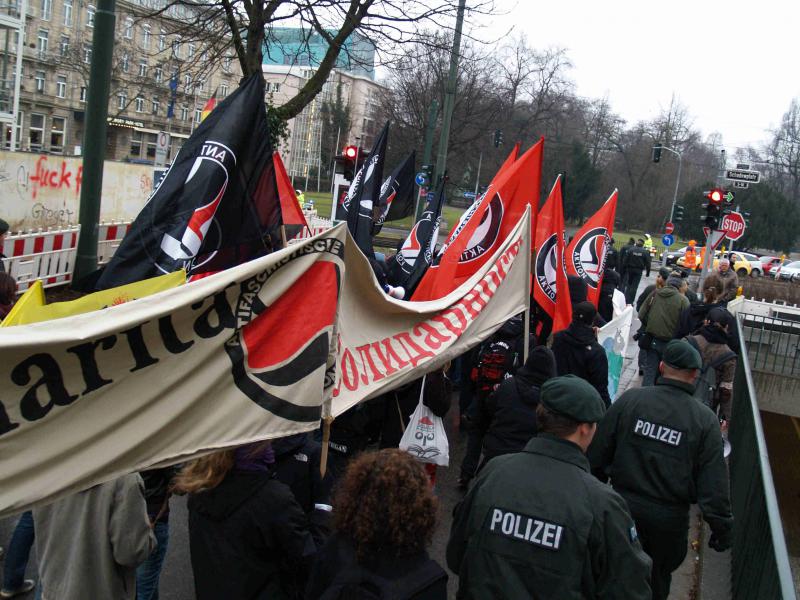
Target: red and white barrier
316,225
46,255
109,237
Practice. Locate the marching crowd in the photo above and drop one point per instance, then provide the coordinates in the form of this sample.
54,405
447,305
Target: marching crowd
567,495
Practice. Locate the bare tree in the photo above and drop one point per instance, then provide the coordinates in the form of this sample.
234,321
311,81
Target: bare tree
783,153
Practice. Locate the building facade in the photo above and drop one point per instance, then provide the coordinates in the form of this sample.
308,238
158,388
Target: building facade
152,55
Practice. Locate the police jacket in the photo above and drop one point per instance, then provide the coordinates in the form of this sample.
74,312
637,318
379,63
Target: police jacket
637,259
578,353
623,255
612,258
663,448
536,524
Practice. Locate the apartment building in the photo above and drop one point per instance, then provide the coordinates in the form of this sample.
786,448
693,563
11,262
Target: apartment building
157,65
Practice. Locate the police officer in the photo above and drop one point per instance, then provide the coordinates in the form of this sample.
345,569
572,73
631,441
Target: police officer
536,524
663,452
636,260
612,257
621,262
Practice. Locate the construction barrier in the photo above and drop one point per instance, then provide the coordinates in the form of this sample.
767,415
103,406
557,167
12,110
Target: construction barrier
316,225
46,255
109,237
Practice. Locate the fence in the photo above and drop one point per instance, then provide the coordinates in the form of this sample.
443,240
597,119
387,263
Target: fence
760,561
773,343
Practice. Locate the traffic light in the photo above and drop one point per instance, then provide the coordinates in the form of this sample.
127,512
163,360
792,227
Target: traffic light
657,152
498,138
714,196
348,161
677,214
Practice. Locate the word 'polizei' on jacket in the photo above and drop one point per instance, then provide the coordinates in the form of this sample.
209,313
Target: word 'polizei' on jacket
555,533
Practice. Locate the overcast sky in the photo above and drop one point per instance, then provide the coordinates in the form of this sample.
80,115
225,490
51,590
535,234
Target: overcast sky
733,64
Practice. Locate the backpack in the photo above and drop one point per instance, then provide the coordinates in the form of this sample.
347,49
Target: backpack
496,361
706,387
357,583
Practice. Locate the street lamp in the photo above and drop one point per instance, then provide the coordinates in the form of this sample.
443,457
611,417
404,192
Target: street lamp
656,158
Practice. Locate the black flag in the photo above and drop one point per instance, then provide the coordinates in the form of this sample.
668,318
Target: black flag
408,266
397,194
360,205
216,207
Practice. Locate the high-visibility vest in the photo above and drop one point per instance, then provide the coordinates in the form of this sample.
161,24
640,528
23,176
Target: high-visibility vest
690,258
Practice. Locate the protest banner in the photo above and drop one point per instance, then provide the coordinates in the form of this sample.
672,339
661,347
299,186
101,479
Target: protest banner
614,337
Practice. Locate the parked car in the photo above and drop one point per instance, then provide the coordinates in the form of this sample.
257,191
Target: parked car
670,257
756,270
768,263
740,265
791,271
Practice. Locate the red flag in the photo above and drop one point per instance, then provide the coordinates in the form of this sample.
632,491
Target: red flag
550,289
586,254
291,213
485,224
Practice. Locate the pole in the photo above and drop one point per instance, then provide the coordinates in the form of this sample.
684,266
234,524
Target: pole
94,137
430,126
677,184
708,259
478,176
16,126
449,96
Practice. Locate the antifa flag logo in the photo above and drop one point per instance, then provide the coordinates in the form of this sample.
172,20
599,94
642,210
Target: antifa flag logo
546,267
589,255
411,247
486,233
208,177
280,355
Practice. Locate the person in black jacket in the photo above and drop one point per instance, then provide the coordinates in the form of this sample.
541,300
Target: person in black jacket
612,257
578,353
637,259
248,536
621,262
506,420
605,303
384,520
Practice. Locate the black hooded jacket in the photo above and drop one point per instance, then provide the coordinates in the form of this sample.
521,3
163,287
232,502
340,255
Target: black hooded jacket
247,536
691,320
578,353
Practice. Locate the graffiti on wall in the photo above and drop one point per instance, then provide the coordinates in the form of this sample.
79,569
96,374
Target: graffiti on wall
40,191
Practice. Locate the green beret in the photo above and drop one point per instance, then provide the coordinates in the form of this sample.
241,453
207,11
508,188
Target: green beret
680,354
573,397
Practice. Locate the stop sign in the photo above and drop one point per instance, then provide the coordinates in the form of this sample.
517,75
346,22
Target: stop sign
669,227
733,225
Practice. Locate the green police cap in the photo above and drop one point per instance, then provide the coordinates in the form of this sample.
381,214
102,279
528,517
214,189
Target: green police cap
679,354
573,397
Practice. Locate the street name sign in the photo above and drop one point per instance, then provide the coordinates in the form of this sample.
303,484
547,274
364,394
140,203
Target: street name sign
741,185
743,175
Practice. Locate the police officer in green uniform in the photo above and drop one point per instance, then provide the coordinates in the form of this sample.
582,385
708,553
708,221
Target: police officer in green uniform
663,452
536,524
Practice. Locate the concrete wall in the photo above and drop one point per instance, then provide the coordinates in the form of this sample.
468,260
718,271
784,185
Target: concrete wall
40,191
777,393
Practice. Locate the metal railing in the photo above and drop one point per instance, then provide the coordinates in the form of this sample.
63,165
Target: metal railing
773,343
760,561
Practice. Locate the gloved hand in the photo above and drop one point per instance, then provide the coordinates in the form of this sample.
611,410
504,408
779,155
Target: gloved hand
720,543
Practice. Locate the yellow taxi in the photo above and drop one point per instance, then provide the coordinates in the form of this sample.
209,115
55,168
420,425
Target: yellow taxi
739,263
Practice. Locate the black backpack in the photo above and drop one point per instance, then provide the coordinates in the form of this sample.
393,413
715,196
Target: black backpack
706,387
357,583
496,360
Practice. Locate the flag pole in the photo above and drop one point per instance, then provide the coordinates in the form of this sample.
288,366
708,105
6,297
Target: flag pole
527,341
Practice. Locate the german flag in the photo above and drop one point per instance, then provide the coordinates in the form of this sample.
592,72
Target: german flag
210,105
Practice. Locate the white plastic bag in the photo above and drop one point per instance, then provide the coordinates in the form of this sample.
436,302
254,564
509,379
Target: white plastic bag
425,438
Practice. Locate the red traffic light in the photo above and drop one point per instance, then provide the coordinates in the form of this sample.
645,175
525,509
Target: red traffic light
714,196
350,152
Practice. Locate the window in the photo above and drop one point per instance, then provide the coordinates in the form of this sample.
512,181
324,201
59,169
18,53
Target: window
202,85
128,29
83,93
159,75
124,63
67,13
43,41
39,81
36,132
146,37
226,64
9,131
139,104
156,105
90,10
61,86
276,87
223,90
162,40
198,114
142,68
190,51
184,113
122,101
87,53
57,129
151,145
187,83
136,143
63,46
176,47
47,10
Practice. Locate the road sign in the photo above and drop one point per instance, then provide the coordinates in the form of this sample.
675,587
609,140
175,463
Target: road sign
714,238
469,195
743,175
667,240
162,147
741,185
669,227
728,197
420,179
743,166
733,225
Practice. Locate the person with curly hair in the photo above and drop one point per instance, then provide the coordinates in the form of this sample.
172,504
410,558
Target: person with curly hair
384,517
248,536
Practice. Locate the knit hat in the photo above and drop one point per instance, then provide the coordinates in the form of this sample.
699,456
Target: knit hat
573,397
583,312
664,272
680,354
675,281
720,315
577,289
540,366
